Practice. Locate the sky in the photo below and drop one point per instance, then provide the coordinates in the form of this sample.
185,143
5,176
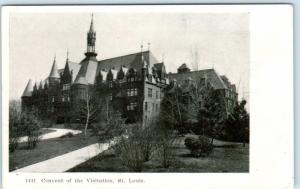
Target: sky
220,39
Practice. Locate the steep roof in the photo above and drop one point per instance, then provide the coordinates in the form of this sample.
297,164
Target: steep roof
128,61
183,66
87,70
54,71
81,80
159,66
212,76
28,89
74,67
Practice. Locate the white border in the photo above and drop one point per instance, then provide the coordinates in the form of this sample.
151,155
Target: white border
271,108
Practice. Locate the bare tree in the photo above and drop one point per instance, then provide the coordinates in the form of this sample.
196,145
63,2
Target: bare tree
88,110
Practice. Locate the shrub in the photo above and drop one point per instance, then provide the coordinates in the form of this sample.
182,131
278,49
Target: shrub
146,138
15,132
67,135
30,126
165,153
13,143
33,139
199,147
130,153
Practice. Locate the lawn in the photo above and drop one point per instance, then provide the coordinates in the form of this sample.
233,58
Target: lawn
224,158
47,149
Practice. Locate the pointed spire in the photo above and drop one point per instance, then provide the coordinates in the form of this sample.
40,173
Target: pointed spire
28,89
41,85
67,68
92,25
35,87
68,55
54,71
46,84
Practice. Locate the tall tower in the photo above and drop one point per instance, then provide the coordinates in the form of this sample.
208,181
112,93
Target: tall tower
91,40
53,76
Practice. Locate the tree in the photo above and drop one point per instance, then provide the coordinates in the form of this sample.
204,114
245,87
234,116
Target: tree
15,132
172,109
30,125
237,124
88,110
200,93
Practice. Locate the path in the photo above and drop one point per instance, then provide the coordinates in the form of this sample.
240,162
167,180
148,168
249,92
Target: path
57,133
66,161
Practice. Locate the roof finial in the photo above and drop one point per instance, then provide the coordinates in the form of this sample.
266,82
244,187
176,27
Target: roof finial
141,47
92,25
163,57
67,54
149,46
54,60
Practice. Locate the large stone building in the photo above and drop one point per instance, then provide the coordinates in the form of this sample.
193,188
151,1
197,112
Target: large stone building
135,84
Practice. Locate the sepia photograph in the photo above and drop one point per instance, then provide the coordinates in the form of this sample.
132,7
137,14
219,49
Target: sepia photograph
129,92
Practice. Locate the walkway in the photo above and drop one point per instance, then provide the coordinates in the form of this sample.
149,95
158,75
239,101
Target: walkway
66,161
57,133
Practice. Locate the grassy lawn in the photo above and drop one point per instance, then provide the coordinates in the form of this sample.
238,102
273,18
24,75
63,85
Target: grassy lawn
224,158
47,149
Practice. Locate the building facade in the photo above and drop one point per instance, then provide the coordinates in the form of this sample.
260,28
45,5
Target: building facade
134,84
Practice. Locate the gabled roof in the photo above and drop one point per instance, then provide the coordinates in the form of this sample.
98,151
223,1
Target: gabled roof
28,89
183,66
211,75
104,75
125,70
114,73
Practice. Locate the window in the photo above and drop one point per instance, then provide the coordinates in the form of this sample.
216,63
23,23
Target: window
68,99
132,92
146,106
53,99
156,107
157,94
110,84
132,106
63,99
66,86
152,107
110,97
149,93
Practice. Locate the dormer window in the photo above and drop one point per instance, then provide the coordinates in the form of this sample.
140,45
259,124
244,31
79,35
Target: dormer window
66,86
132,106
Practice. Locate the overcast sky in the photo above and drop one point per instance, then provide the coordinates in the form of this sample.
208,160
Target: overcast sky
222,42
